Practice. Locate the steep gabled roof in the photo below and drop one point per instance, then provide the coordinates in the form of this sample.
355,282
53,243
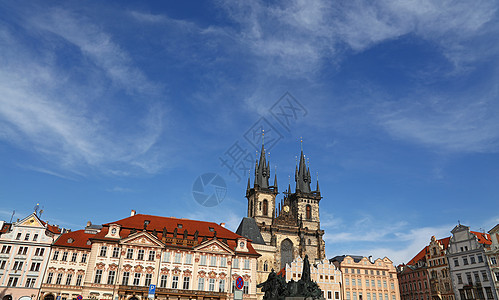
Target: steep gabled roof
249,229
418,257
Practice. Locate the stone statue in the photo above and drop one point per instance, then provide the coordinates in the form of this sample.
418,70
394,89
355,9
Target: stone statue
276,288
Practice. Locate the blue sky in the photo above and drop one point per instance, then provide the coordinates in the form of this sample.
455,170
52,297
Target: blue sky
110,106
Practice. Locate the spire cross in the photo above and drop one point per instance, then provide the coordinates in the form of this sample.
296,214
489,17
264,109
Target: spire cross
263,136
301,143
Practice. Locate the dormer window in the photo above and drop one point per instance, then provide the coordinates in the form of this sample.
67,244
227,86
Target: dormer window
179,225
70,241
212,229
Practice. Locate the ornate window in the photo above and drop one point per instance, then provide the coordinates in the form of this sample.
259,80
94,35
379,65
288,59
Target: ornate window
309,212
265,211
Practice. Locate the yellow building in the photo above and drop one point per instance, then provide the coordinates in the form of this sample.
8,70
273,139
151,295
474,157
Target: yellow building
364,279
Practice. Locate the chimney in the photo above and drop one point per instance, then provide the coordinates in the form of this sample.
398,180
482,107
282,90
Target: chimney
133,213
222,224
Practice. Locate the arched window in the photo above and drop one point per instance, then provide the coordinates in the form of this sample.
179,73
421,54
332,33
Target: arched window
309,242
309,212
265,207
251,208
265,266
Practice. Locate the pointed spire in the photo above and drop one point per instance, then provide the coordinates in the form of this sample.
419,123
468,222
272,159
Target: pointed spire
262,170
275,181
302,174
317,190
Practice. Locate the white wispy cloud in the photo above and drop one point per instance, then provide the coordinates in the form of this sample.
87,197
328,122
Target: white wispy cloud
65,114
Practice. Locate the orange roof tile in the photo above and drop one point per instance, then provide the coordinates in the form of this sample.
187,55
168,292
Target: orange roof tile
75,239
418,256
282,272
483,238
51,228
158,223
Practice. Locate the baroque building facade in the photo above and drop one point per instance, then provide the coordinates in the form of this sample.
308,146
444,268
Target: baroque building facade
493,256
438,269
364,279
24,254
287,229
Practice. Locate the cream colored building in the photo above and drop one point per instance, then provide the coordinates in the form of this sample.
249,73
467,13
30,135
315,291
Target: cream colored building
364,279
24,255
326,274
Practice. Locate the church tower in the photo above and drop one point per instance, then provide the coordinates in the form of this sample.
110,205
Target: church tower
261,197
292,226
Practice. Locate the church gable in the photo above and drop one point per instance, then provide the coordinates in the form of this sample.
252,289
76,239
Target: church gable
214,246
142,239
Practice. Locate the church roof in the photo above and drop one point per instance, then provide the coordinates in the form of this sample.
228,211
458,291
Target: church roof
249,229
340,258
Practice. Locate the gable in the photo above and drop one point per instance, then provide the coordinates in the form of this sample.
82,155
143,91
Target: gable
31,221
214,246
142,239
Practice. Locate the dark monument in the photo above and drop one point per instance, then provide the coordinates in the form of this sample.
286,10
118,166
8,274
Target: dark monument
276,288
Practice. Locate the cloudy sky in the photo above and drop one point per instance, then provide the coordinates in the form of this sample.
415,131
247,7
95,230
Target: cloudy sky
110,106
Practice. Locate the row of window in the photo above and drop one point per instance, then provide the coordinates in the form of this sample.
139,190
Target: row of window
366,272
368,283
472,260
380,296
163,282
23,250
414,286
74,256
13,280
26,236
476,293
69,279
470,276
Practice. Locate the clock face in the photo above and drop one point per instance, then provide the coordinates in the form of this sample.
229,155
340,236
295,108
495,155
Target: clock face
113,231
286,208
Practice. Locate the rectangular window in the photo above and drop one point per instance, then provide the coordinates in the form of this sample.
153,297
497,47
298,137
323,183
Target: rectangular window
58,279
116,252
477,277
480,258
186,282
178,258
140,254
493,260
456,262
488,291
39,251
2,264
22,250
223,262
6,249
84,258
386,296
465,260
372,283
202,260
103,251
35,237
152,254
221,286
64,256
330,295
163,281
126,277
18,237
384,284
148,280
367,282
35,267
354,282
79,278
26,237
247,264
484,275
359,282
213,261
188,258
347,281
472,259
211,285
235,263
497,275
392,286
69,277
129,254
74,256
246,287
354,295
166,257
110,277
30,282
368,296
136,279
49,277
348,296
98,276
13,281
201,284
379,283
18,265
459,279
336,295
174,282
374,296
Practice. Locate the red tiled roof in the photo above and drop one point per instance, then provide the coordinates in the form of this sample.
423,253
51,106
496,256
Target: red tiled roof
445,242
5,228
418,256
75,239
51,228
483,238
158,223
282,272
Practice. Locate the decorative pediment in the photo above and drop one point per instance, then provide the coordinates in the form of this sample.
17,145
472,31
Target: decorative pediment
187,272
100,266
212,274
31,221
138,268
142,239
113,267
246,277
127,267
164,271
222,275
176,271
214,246
149,270
202,274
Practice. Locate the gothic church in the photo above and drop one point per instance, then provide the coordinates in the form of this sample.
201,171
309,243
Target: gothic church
282,230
